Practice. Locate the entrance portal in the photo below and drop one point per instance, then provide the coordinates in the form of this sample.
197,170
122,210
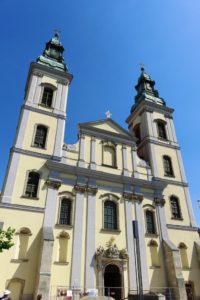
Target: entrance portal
112,282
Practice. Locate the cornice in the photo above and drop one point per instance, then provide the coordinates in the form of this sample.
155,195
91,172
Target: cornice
104,134
43,112
151,107
85,188
53,183
103,176
166,144
22,207
169,181
35,154
182,227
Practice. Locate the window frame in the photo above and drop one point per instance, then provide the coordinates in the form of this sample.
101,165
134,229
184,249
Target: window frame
171,173
70,214
26,183
53,88
112,198
154,222
178,206
34,135
162,123
70,196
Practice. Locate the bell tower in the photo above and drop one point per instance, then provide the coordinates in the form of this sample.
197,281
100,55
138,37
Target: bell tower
40,131
151,121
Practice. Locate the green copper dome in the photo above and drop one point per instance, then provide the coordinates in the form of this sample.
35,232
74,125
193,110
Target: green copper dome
146,91
53,54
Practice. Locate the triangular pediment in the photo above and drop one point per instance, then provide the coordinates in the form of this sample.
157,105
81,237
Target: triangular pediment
106,125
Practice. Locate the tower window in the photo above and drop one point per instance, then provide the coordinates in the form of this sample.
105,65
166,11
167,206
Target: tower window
110,215
40,136
167,163
47,97
65,212
32,184
161,130
150,223
175,207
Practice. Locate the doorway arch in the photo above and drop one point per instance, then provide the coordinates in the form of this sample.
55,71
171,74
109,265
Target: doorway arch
113,282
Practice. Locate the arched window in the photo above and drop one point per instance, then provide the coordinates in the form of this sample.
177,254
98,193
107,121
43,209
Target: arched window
40,136
47,97
109,154
110,215
183,253
153,246
150,222
175,207
65,212
32,184
167,163
137,133
161,129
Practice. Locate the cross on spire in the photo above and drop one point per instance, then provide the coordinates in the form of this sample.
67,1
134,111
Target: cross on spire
142,66
57,32
108,114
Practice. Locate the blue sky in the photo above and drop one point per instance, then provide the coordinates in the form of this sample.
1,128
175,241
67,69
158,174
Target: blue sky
105,41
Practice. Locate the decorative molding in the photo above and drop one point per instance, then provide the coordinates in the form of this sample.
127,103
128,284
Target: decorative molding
111,252
159,201
169,181
92,190
43,112
182,227
133,196
35,154
109,196
103,176
80,188
53,183
37,73
62,81
22,207
85,188
159,142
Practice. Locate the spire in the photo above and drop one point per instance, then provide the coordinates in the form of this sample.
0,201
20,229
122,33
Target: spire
145,89
53,54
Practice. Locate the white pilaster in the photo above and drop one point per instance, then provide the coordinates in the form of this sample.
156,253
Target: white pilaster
90,241
153,161
142,245
58,97
93,154
38,90
77,240
59,140
173,130
63,102
51,200
81,160
130,246
134,163
124,159
189,206
169,130
32,88
22,128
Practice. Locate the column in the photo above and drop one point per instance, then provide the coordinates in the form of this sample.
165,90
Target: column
130,242
134,162
81,161
142,244
48,238
78,237
124,159
59,140
93,154
90,239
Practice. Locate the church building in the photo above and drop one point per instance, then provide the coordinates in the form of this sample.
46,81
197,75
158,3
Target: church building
110,215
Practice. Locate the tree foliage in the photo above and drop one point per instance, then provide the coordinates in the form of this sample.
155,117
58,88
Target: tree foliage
6,237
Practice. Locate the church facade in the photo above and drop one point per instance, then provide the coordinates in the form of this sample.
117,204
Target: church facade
111,213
